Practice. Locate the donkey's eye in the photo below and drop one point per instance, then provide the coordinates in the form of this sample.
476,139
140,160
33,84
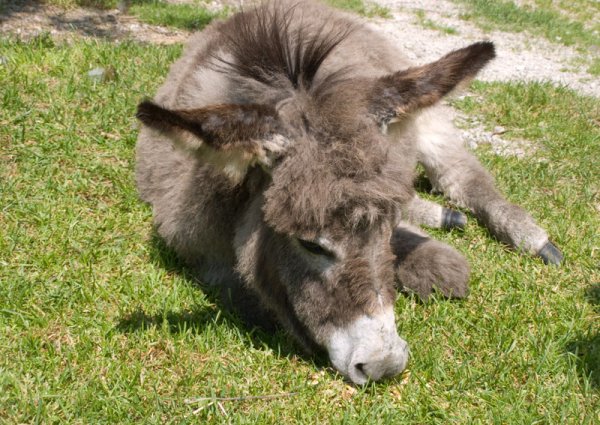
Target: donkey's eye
315,248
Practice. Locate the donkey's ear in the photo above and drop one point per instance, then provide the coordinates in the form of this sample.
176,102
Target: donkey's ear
232,137
407,91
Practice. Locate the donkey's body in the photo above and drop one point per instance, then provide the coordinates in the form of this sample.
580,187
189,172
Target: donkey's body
281,160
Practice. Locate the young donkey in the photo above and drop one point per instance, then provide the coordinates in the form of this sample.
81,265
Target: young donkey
279,159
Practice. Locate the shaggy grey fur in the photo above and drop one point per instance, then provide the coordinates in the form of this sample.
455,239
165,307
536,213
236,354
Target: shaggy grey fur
279,158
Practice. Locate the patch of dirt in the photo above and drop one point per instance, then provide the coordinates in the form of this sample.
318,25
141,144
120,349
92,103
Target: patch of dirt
28,19
520,56
475,135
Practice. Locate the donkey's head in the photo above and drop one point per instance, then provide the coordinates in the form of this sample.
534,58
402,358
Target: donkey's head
314,242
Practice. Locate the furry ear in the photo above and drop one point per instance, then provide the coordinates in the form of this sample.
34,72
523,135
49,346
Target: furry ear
414,88
232,137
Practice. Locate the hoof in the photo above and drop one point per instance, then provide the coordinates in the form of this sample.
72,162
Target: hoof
550,254
453,219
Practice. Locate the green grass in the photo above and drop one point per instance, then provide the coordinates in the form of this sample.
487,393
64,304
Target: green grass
542,20
364,8
188,16
194,15
99,324
98,4
185,16
594,68
429,24
582,11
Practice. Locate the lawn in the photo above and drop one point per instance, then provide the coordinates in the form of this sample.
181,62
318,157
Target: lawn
99,322
565,22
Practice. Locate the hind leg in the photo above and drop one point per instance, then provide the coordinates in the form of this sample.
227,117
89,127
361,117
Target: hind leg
460,176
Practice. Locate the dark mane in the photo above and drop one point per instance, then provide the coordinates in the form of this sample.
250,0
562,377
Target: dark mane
273,41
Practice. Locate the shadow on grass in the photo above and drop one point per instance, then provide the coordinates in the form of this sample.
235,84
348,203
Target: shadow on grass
587,347
240,310
592,295
89,22
9,8
100,18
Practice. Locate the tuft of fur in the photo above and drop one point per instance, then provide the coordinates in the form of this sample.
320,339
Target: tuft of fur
272,41
424,265
317,188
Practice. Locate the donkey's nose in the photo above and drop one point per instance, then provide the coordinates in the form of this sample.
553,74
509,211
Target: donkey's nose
380,365
368,348
357,373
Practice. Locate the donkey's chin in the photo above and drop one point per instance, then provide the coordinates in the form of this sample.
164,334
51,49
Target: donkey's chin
368,349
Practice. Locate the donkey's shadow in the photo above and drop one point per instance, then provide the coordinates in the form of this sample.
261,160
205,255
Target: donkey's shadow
586,347
240,310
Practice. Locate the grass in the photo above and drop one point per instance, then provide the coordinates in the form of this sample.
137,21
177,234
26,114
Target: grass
194,15
579,10
594,68
99,323
540,19
190,16
360,7
429,24
186,16
98,4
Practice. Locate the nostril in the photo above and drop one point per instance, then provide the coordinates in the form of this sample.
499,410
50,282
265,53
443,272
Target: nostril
360,368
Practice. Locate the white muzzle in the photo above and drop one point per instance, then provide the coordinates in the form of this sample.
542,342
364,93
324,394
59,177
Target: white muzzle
368,349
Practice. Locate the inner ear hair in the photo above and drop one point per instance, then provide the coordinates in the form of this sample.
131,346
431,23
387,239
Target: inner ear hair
231,137
173,124
219,126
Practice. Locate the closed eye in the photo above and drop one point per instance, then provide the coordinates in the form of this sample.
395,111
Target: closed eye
315,248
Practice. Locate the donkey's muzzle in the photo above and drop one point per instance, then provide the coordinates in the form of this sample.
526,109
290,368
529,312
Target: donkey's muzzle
368,349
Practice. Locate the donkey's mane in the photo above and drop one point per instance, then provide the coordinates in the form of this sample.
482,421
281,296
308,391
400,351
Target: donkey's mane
267,43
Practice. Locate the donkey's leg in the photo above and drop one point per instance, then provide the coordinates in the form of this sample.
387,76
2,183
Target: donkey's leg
424,265
423,212
456,172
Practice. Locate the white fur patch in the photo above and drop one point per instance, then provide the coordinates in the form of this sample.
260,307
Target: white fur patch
368,348
271,149
436,134
423,212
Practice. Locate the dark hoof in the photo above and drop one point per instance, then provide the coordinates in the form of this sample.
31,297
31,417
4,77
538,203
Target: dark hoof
453,219
550,254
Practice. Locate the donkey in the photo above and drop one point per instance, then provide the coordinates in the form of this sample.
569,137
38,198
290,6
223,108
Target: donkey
279,157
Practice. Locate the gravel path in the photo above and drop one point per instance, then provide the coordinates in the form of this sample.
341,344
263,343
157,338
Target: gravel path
520,55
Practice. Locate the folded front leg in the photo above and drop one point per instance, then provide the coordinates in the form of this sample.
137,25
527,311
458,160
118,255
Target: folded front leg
459,175
427,213
424,265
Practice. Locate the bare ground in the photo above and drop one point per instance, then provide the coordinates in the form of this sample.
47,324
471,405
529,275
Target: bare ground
521,56
30,18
